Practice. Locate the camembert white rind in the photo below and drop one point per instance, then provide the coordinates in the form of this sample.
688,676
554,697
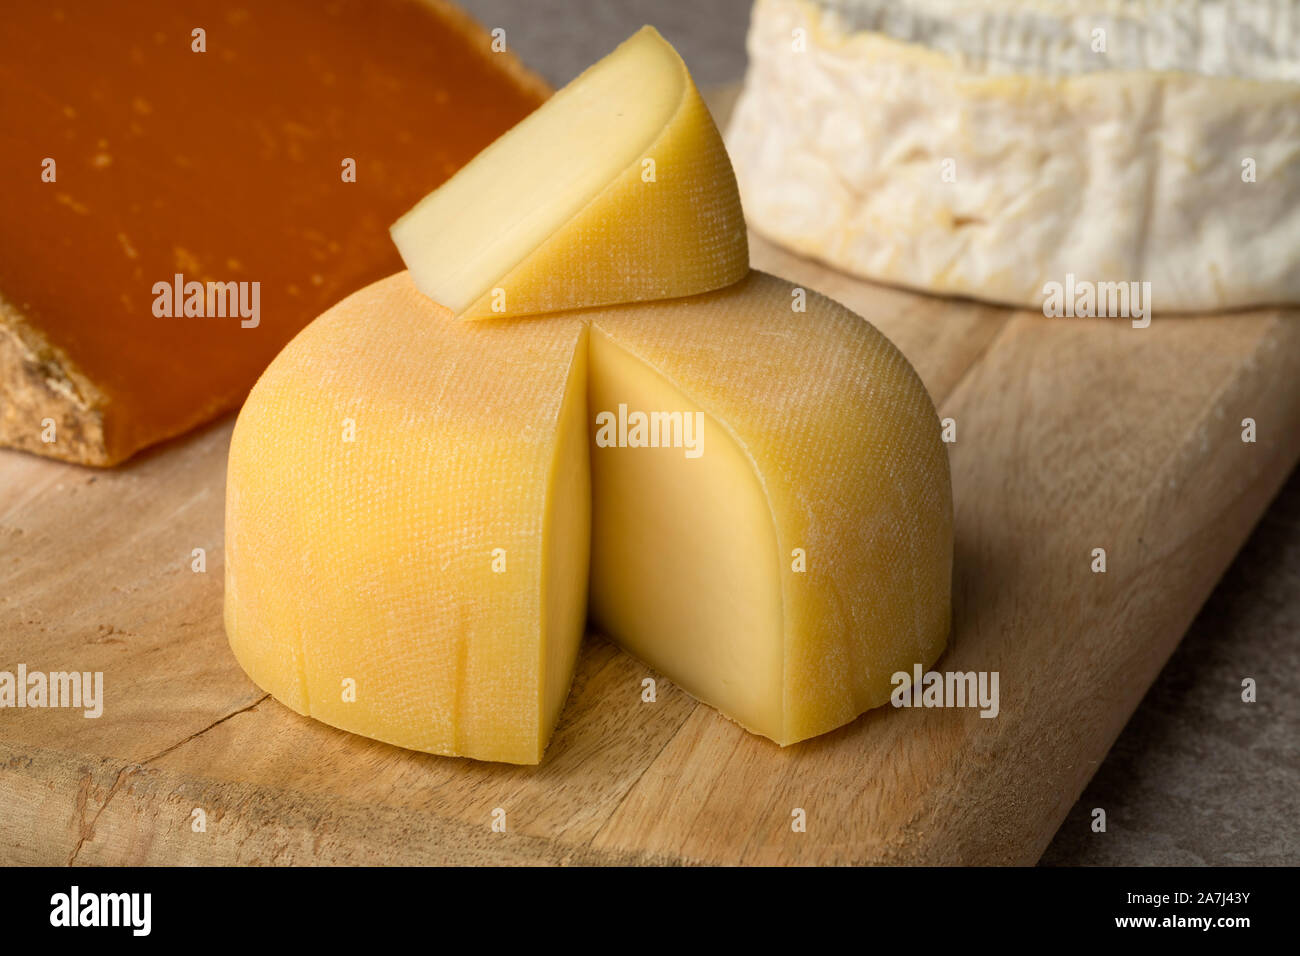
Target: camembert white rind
987,148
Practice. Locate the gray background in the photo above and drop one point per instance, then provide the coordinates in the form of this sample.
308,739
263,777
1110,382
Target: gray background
1196,776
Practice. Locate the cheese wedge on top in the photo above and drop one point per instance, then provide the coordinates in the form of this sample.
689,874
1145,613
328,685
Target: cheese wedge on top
756,499
618,189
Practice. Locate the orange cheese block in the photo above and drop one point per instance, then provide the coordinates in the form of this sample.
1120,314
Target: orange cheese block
187,184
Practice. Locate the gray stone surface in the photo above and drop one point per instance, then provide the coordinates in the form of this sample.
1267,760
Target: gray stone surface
1197,776
561,38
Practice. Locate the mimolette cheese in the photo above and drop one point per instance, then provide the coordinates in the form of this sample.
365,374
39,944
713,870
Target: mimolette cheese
188,184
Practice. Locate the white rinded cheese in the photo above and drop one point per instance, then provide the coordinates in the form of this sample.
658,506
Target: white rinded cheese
989,148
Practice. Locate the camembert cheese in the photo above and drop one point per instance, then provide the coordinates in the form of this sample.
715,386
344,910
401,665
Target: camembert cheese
988,148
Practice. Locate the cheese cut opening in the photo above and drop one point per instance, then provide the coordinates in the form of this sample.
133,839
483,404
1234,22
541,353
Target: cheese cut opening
519,191
567,546
684,566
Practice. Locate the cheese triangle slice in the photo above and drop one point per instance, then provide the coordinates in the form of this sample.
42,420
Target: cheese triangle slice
617,189
407,525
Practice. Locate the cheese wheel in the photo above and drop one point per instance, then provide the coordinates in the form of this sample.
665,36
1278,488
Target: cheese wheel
752,480
1129,157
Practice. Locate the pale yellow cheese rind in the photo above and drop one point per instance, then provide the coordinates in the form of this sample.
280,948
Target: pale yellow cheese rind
381,469
618,189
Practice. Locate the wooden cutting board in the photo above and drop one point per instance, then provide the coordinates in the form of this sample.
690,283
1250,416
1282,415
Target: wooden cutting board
1071,435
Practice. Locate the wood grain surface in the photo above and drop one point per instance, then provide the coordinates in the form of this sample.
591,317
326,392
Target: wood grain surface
1071,434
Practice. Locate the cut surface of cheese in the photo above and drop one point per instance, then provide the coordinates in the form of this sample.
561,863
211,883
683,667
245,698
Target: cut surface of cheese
686,572
619,189
129,157
407,525
990,148
779,546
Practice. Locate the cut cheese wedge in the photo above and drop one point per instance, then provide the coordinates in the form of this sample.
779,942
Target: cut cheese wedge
789,569
775,535
618,189
407,525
